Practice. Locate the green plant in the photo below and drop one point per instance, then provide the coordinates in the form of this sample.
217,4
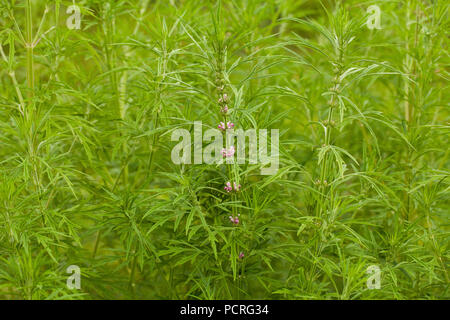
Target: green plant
87,178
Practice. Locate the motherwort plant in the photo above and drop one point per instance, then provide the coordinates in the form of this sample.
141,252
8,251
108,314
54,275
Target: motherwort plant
224,149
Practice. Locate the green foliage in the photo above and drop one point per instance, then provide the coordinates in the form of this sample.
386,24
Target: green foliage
86,176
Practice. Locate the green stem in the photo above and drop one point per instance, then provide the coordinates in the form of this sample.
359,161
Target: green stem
30,47
326,169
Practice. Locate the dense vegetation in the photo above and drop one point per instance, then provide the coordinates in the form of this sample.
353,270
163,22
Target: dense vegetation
86,176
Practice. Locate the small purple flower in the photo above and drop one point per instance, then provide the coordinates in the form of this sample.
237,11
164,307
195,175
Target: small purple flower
234,220
221,126
224,98
224,109
241,255
228,153
230,125
228,187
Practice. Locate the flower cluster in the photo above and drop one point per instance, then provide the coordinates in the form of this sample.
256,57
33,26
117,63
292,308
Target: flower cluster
224,109
321,183
223,101
228,153
229,188
230,125
235,220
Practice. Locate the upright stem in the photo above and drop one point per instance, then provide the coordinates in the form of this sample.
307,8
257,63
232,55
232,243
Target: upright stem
408,62
326,169
30,111
410,101
30,47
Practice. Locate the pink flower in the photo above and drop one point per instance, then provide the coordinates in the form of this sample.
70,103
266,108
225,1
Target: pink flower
234,220
228,187
228,153
241,255
230,125
224,98
224,110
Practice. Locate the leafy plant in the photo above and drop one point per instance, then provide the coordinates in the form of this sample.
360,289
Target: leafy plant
87,177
